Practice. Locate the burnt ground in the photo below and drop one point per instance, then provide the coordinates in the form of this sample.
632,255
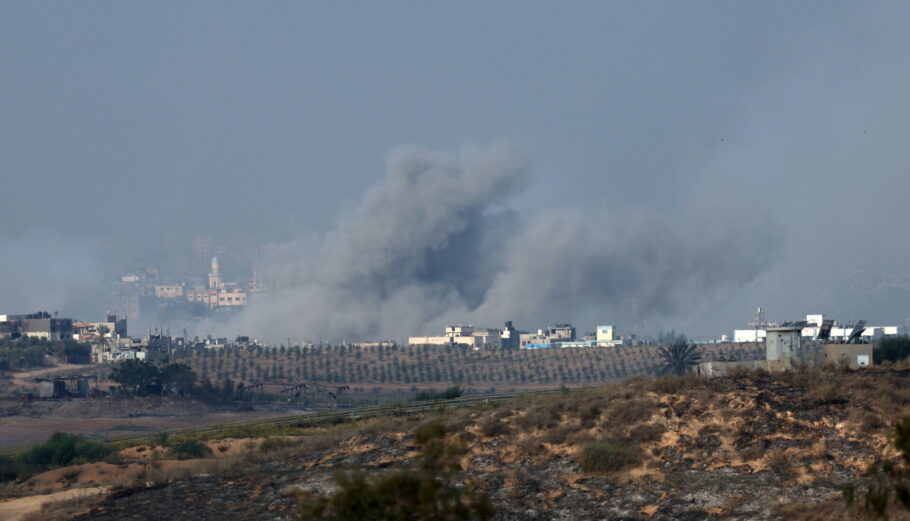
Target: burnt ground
745,447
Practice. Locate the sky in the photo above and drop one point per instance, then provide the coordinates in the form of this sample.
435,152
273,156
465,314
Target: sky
757,151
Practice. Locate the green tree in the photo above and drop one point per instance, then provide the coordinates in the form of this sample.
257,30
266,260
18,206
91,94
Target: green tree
892,349
136,375
178,378
678,357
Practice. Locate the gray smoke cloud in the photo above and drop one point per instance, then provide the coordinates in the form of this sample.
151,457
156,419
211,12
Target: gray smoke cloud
45,271
433,242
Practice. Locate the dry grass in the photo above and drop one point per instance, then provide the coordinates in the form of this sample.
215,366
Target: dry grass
794,425
66,509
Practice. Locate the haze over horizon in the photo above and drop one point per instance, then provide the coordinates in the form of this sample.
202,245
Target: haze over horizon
402,165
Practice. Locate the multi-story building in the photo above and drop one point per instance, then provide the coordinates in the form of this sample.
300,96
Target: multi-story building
475,338
169,291
37,325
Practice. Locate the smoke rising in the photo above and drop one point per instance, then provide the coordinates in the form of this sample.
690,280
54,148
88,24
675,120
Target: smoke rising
434,242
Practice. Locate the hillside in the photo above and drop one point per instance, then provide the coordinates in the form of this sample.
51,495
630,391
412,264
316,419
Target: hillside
753,446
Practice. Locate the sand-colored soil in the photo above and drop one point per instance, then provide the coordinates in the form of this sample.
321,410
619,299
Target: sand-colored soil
16,509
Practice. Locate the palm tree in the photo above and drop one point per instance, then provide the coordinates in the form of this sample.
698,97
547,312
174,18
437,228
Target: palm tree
103,343
678,357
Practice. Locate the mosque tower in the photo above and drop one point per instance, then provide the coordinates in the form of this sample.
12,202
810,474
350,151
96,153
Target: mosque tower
215,275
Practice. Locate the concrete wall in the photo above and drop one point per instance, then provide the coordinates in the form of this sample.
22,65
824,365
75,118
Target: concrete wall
855,355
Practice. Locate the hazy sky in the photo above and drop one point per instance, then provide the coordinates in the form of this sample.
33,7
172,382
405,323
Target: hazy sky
144,123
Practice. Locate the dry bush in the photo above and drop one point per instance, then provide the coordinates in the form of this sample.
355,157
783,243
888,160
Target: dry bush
458,419
646,433
676,384
222,467
781,462
532,447
753,452
589,414
626,413
827,392
559,434
65,509
503,413
868,421
378,426
491,427
11,489
544,416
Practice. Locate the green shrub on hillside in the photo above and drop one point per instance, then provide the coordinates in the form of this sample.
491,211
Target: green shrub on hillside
426,494
60,450
605,457
190,449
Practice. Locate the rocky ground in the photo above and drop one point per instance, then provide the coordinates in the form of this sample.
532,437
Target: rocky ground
744,447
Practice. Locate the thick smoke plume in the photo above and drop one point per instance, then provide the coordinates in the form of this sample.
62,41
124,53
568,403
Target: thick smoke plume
434,243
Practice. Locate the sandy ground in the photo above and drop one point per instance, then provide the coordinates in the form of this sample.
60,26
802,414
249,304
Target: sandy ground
16,509
22,431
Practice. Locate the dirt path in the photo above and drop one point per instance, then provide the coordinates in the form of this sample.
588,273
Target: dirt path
16,509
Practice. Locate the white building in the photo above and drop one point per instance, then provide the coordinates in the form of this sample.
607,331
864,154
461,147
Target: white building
467,336
813,324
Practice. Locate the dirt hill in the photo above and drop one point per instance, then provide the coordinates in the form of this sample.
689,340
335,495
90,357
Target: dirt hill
752,446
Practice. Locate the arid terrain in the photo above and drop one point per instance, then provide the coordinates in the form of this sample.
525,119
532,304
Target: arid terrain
750,446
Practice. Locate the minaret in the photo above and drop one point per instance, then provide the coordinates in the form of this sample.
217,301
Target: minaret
215,275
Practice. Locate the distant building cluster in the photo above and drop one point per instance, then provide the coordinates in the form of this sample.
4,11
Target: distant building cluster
507,337
784,350
108,339
141,292
809,329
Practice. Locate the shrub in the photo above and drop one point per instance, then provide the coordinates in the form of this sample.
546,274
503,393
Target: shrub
543,416
401,496
60,450
190,449
647,432
432,395
404,495
892,350
630,412
273,444
671,384
491,426
605,457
